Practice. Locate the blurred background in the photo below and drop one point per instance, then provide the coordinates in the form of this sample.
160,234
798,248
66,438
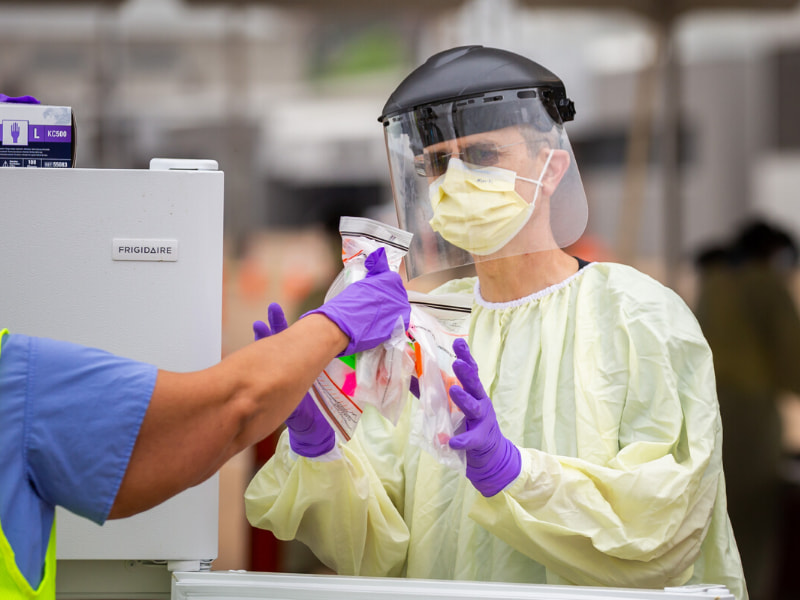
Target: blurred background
687,127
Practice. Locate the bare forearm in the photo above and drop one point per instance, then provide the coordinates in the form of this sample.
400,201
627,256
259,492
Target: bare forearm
197,421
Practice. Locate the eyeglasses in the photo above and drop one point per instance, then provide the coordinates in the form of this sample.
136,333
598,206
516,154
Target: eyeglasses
482,154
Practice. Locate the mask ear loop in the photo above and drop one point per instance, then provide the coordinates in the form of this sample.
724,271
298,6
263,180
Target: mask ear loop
539,182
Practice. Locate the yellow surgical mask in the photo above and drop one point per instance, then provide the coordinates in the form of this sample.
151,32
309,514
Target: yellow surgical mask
478,208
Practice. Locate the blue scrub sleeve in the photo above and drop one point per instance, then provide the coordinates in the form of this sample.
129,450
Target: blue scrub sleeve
84,410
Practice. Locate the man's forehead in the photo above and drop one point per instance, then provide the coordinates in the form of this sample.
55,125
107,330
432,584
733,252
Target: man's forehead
498,136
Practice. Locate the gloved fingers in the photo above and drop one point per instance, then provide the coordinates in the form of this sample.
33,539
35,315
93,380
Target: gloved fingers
461,348
277,319
277,322
468,377
468,404
366,311
377,262
468,440
261,330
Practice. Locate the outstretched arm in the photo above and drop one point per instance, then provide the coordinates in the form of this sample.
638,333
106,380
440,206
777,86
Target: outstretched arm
197,421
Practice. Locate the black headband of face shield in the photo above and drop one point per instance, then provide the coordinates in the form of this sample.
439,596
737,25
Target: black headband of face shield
440,122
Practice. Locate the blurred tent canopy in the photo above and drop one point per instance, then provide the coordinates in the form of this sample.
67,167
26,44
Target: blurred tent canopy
659,11
651,8
656,9
662,16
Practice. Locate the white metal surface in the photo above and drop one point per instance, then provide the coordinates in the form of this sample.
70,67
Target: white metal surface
60,280
264,586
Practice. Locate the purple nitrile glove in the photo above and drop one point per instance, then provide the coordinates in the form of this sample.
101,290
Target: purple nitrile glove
492,460
19,99
367,310
310,434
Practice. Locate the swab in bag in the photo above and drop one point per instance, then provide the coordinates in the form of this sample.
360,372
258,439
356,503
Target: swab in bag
436,322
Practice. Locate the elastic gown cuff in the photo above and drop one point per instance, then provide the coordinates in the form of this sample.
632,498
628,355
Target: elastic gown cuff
526,466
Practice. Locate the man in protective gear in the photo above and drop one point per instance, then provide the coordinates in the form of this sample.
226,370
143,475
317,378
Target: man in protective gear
593,438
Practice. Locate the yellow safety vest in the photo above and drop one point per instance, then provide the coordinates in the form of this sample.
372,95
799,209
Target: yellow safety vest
13,586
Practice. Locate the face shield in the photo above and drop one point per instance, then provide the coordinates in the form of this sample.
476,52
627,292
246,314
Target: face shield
483,178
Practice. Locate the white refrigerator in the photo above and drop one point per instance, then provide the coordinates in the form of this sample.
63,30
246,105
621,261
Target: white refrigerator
129,261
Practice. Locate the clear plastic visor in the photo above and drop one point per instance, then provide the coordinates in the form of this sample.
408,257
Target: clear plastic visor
483,179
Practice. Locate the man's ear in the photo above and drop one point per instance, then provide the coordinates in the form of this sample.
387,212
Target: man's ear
559,163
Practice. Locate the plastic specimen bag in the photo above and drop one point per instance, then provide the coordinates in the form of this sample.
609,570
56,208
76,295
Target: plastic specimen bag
436,322
379,376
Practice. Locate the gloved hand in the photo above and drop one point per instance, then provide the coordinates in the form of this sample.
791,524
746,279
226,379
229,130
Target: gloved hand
19,99
492,460
310,434
367,310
